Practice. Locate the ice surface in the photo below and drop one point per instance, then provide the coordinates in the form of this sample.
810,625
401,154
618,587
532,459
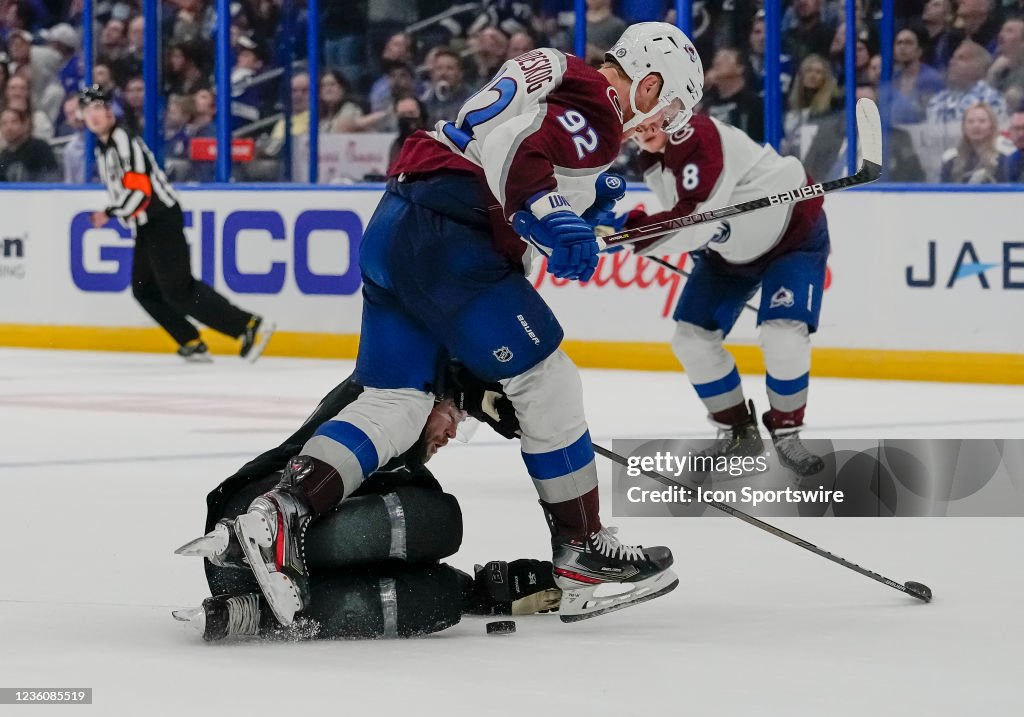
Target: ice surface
105,460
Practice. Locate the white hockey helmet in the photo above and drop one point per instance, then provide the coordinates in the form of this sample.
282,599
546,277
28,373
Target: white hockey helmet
659,47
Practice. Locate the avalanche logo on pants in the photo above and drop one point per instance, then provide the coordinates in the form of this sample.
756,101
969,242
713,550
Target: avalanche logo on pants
782,297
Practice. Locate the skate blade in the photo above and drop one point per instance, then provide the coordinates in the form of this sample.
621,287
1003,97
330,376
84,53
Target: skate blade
579,605
198,358
193,617
210,545
266,332
279,590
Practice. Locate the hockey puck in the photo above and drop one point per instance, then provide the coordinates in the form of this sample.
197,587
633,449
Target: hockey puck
501,627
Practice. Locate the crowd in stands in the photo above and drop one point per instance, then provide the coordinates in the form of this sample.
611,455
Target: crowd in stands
393,66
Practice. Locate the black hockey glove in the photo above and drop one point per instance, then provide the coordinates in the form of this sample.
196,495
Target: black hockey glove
486,402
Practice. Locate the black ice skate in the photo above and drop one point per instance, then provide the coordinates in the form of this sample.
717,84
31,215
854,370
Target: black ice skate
272,535
220,546
195,351
743,439
598,574
223,616
793,454
255,338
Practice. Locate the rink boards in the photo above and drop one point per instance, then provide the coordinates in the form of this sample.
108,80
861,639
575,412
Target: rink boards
921,285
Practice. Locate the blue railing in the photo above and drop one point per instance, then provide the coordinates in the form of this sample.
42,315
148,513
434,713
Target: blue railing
774,102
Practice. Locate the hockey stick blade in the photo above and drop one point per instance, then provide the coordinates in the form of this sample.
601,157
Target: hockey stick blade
916,590
869,136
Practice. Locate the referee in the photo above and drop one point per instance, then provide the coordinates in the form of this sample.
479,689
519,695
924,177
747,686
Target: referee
162,280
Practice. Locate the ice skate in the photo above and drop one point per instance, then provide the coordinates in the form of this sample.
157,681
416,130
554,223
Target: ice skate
195,351
255,338
743,439
220,546
598,574
271,535
223,616
794,455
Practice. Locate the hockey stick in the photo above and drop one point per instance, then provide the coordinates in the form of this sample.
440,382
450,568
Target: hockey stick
684,272
916,590
869,139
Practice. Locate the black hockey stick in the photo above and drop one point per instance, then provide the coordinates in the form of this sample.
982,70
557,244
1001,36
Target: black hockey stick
684,272
869,138
917,590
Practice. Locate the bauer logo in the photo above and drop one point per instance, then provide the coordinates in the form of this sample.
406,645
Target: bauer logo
251,251
953,266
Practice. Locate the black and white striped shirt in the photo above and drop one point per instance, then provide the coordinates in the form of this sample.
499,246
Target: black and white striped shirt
135,183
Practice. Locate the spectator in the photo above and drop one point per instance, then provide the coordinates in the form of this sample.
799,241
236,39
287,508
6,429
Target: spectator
248,98
813,122
113,41
966,86
134,98
862,55
47,94
204,114
936,33
727,97
192,21
913,81
300,116
177,118
24,158
19,49
1007,71
490,48
5,73
448,91
755,59
129,64
979,158
509,16
338,111
397,51
519,44
808,32
603,26
64,40
184,72
977,21
1016,135
18,94
73,157
412,116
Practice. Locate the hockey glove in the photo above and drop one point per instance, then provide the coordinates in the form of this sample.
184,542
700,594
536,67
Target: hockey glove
609,189
561,235
484,401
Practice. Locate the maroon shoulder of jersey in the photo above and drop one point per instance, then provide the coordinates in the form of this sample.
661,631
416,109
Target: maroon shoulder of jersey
422,154
581,129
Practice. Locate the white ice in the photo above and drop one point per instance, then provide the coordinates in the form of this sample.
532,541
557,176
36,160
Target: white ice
105,460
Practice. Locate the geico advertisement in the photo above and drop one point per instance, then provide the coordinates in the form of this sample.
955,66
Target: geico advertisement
907,271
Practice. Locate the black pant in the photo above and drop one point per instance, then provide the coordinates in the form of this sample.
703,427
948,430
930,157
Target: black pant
163,284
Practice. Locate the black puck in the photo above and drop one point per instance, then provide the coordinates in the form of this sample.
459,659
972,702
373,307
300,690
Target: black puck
501,627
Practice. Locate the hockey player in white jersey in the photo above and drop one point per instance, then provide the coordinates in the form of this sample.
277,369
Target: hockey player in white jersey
781,250
444,275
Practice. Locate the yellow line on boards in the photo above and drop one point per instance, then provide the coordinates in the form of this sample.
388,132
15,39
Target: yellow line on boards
647,356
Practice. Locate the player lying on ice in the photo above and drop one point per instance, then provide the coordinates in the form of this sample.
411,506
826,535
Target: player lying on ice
781,250
443,272
374,562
